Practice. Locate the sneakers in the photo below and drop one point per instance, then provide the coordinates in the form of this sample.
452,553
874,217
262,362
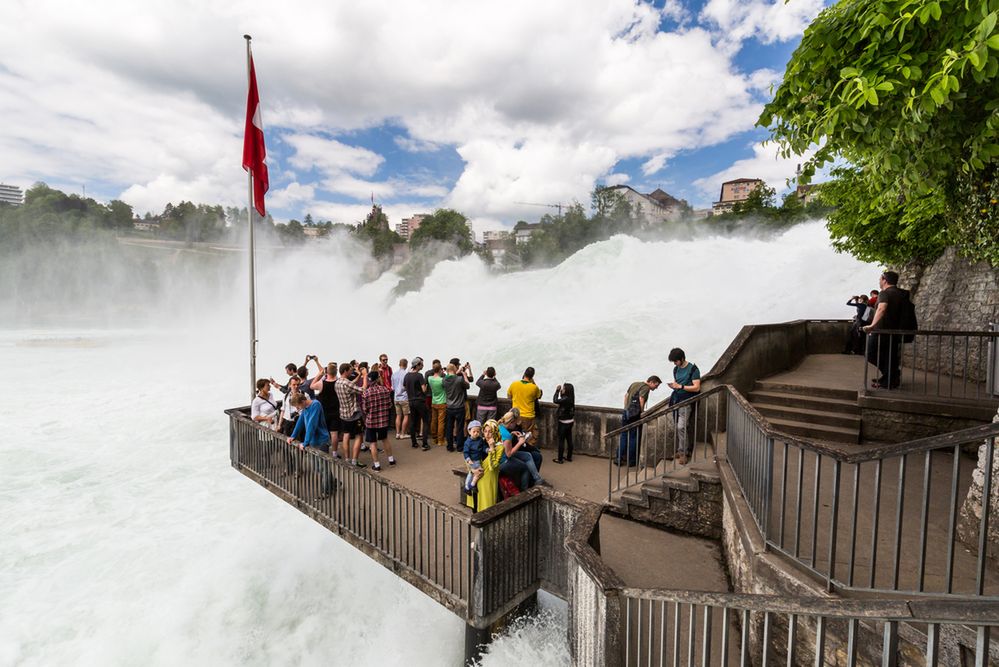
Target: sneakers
425,447
377,467
358,464
450,448
391,461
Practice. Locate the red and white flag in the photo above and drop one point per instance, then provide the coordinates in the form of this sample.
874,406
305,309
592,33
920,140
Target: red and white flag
253,144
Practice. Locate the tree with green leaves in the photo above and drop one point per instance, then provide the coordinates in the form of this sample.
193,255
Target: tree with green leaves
905,92
447,226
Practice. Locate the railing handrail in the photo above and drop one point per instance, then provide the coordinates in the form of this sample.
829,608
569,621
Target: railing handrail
937,332
659,408
384,481
872,453
957,610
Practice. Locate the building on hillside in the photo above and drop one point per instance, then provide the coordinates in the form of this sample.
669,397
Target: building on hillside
312,232
807,193
496,235
11,194
654,208
409,225
522,232
733,192
498,248
140,225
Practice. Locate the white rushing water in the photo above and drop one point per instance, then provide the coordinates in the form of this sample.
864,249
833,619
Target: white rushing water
127,539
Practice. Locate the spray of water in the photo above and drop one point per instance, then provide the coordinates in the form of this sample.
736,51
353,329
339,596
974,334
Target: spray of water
127,537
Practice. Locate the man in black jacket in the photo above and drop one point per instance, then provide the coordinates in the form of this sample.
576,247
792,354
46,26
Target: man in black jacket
885,350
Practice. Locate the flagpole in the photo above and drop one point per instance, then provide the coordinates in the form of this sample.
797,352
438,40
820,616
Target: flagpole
253,285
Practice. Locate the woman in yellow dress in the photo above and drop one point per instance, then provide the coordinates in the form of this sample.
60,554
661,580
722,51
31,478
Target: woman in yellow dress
487,487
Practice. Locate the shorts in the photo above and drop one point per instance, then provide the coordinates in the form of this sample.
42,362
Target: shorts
375,434
333,422
350,428
402,407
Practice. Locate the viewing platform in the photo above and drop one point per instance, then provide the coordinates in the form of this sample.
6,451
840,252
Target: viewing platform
766,546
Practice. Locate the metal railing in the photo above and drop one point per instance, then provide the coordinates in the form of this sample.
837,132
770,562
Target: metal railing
941,364
427,542
687,628
650,447
887,518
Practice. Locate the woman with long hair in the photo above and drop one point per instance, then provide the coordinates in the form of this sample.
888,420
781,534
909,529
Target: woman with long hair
565,399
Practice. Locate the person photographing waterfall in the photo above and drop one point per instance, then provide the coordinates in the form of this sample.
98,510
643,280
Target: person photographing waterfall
686,384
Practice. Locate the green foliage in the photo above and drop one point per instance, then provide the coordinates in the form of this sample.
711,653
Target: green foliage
193,222
48,214
905,92
447,226
375,230
761,200
761,206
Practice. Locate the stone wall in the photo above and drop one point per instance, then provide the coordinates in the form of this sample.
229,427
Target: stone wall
952,294
969,525
893,425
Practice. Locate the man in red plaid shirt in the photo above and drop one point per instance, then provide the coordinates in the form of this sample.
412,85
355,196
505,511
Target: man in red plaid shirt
376,402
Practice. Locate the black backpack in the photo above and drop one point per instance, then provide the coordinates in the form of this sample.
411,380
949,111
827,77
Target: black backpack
907,319
634,405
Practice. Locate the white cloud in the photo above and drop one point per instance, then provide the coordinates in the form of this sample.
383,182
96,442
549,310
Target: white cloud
768,21
411,145
290,195
616,179
765,164
104,91
330,156
655,163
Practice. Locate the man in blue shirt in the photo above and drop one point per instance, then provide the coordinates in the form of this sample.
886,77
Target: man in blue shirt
311,430
686,384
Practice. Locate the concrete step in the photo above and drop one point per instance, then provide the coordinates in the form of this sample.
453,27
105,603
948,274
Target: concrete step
634,496
842,394
839,405
816,431
771,412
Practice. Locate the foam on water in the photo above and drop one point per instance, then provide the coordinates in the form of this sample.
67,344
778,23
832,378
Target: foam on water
127,539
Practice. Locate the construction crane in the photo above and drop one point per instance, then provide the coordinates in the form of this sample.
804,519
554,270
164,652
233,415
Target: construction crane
557,206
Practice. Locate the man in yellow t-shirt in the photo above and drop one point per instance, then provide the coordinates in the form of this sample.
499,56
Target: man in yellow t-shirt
523,394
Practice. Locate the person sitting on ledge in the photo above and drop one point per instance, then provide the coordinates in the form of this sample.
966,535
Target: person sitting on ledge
474,451
487,488
521,452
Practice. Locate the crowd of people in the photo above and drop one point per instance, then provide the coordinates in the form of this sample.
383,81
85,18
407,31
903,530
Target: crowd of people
347,409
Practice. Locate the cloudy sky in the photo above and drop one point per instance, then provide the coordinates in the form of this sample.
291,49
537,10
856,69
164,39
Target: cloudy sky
473,105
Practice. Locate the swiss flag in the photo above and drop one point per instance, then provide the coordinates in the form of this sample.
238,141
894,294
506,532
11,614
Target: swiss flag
253,144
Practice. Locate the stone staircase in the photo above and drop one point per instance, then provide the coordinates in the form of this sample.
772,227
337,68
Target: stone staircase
688,499
819,413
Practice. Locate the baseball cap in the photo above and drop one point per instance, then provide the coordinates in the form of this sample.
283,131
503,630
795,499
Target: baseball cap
475,423
416,362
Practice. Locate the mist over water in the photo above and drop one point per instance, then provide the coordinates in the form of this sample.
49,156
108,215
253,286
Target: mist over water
128,539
